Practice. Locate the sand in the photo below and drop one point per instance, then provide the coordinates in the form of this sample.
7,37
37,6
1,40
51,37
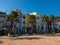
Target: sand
30,40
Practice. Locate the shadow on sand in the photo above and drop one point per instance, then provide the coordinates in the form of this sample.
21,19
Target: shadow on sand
24,38
1,42
53,35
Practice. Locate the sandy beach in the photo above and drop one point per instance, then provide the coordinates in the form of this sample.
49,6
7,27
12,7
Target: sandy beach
30,40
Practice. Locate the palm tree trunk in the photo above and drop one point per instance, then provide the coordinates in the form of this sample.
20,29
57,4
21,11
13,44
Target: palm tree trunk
12,28
13,25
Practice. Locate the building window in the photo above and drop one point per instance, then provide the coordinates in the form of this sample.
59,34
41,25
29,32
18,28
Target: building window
37,17
24,22
23,17
59,26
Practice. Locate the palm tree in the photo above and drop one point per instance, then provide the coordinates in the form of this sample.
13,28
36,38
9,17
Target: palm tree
45,21
57,18
51,21
13,14
31,21
51,18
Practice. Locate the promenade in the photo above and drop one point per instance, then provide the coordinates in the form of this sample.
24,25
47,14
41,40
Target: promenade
31,40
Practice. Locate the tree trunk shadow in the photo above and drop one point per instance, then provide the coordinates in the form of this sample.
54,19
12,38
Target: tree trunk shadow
28,38
1,42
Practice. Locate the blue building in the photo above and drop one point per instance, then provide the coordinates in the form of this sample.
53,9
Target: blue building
18,24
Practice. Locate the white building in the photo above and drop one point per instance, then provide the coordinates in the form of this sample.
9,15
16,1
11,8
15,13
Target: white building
38,22
3,20
24,23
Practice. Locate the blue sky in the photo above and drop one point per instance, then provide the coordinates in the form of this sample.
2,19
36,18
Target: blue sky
27,6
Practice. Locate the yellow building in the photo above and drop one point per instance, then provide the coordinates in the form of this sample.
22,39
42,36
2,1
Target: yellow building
28,21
